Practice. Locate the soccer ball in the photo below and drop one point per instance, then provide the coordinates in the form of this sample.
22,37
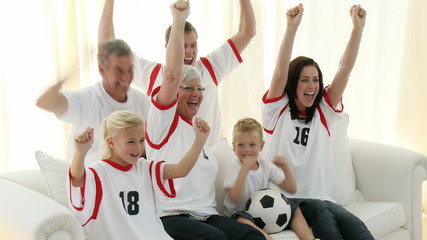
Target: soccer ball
270,209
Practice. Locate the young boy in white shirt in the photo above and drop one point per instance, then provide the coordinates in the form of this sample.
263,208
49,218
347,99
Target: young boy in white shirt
250,173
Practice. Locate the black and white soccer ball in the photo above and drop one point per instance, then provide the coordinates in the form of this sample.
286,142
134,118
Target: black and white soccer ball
270,209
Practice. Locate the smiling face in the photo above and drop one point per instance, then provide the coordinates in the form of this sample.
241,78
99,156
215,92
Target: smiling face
190,43
127,145
307,88
117,77
189,101
190,48
247,144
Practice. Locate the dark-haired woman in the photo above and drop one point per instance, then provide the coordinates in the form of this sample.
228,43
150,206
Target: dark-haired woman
298,113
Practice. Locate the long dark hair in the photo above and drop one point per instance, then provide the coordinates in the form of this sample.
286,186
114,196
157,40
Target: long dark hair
295,67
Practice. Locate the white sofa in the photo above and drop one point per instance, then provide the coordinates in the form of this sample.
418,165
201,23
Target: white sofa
389,202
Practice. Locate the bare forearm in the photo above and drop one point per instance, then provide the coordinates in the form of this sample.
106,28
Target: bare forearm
280,75
175,50
289,184
247,26
247,23
106,25
174,61
53,100
346,65
349,57
236,192
182,168
77,169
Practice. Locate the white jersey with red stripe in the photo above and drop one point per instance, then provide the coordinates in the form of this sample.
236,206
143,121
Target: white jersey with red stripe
117,202
168,138
213,68
256,180
306,146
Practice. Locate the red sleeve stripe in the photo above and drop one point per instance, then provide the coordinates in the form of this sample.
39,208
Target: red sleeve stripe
328,101
323,120
270,131
208,66
158,106
98,196
153,77
271,100
151,165
159,181
236,52
171,130
82,203
266,101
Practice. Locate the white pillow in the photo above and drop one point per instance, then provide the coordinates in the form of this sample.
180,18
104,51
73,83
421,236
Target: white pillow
224,156
54,172
344,184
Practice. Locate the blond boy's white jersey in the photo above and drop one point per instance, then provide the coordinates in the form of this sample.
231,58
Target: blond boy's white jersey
256,180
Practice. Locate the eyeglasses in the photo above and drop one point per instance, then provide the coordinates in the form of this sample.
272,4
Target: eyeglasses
190,88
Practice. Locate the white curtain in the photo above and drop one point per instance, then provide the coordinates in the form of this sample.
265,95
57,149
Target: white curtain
43,41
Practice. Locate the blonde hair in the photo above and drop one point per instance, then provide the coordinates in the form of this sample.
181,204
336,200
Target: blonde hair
115,122
249,125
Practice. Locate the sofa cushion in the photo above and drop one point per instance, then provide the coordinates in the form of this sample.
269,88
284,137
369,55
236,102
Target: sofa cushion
344,180
224,156
54,172
379,217
284,235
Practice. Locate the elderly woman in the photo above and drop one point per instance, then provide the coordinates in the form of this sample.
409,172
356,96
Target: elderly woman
191,214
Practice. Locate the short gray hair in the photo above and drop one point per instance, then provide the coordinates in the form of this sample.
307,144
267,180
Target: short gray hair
189,73
116,47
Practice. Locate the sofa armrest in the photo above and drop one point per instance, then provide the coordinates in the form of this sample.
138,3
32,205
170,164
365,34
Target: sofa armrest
27,215
391,174
31,179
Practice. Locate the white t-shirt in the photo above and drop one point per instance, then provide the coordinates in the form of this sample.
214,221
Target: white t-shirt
256,180
168,138
117,202
306,146
213,68
88,106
